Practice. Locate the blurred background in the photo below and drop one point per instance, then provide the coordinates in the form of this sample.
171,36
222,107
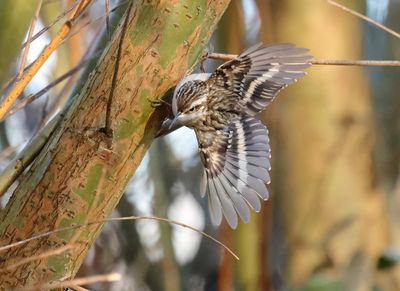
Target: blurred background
333,219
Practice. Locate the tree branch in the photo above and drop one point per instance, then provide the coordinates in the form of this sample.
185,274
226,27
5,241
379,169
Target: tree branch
27,76
81,173
369,63
125,218
373,22
29,40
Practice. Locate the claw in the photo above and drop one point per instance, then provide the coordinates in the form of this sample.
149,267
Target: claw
203,58
158,103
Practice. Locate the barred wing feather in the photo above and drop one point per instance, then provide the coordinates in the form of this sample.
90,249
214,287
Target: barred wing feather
236,166
257,75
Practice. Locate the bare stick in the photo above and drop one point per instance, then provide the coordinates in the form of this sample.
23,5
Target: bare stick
108,20
94,21
39,236
19,86
29,40
373,22
37,35
366,63
107,127
29,99
79,281
62,96
51,24
73,33
220,56
363,63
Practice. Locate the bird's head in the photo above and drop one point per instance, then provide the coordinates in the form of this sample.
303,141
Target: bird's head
189,103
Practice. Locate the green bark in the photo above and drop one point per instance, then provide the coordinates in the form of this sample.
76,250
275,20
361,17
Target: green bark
15,17
81,174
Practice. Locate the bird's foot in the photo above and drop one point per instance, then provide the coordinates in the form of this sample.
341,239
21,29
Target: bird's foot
204,57
202,61
159,103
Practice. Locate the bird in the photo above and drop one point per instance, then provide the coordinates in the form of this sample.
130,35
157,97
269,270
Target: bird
233,145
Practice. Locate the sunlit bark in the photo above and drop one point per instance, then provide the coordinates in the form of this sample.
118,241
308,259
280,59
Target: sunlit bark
81,173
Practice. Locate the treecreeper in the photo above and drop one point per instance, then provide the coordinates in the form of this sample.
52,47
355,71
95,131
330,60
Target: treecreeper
233,144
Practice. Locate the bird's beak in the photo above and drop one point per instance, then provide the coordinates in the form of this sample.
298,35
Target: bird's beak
175,120
167,128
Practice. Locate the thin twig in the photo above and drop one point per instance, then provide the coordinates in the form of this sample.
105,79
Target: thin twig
78,281
20,85
62,96
72,33
94,21
43,255
107,127
82,5
82,27
108,20
220,56
363,63
51,24
29,40
45,234
70,83
369,63
43,30
29,99
373,22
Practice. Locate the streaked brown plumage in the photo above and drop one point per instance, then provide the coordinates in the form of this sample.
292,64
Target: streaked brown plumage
233,145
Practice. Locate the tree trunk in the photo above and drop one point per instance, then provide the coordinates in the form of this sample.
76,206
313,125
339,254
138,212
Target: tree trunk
81,174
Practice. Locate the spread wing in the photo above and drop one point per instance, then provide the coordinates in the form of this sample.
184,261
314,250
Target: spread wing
257,75
236,165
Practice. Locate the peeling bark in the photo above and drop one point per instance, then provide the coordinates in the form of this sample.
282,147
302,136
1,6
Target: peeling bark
81,174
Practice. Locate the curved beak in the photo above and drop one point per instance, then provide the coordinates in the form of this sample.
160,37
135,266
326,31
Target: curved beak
166,127
175,120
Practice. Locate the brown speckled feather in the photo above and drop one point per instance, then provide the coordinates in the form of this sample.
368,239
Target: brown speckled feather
233,144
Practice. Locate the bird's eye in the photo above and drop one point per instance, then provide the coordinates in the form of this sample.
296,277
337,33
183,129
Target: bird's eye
191,109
